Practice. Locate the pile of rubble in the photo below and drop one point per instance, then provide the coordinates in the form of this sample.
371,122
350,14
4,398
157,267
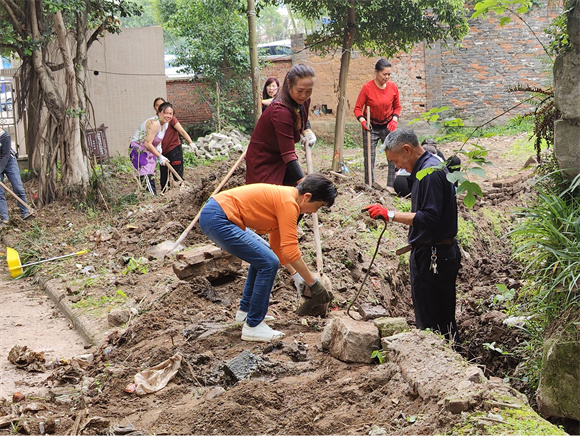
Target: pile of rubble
219,144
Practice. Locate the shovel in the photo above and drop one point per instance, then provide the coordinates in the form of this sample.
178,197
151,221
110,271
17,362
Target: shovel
166,248
369,147
180,181
6,188
315,230
15,267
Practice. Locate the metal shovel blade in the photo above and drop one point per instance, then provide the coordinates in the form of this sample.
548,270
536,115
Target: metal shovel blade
164,249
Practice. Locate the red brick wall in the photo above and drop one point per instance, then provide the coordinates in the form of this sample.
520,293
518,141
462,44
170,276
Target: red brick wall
190,100
472,79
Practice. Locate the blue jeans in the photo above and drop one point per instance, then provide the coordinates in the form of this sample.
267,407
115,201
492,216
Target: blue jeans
249,247
13,173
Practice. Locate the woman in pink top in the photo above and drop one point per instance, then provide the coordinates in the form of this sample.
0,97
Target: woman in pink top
382,97
145,147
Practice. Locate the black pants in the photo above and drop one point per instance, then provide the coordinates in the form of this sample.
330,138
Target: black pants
175,157
434,294
401,186
378,132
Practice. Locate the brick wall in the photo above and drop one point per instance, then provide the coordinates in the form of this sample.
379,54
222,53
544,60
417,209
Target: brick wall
472,79
190,100
477,75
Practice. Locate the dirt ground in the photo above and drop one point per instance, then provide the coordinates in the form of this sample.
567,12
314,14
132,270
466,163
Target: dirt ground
299,389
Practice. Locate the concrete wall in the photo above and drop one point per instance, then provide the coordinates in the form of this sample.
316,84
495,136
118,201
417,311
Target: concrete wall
131,73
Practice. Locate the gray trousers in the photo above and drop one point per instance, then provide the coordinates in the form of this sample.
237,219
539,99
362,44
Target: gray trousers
379,132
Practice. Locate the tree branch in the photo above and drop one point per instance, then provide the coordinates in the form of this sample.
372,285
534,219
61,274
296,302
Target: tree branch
16,15
95,35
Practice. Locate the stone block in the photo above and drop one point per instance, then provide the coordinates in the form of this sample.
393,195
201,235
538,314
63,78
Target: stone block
351,341
566,136
206,261
390,326
558,394
242,366
457,405
368,311
567,85
118,317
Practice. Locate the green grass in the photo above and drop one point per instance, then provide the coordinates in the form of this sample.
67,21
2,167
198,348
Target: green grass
497,220
514,126
99,306
191,160
465,232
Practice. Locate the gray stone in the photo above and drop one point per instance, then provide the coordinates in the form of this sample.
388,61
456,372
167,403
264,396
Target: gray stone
558,394
326,338
242,366
567,147
118,317
390,326
475,375
351,341
457,405
368,311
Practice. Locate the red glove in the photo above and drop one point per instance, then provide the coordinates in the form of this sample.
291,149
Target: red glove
392,125
365,124
377,211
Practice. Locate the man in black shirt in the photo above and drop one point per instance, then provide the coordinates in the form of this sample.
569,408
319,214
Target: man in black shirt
435,256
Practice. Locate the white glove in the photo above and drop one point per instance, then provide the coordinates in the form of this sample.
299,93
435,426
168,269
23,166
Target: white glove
158,148
309,138
162,160
191,144
298,283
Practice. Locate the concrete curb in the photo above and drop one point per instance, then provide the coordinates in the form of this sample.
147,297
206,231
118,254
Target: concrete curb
59,299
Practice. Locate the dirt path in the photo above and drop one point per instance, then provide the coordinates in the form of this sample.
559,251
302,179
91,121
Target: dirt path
28,317
300,389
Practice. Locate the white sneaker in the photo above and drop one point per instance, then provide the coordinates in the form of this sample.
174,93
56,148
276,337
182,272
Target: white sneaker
261,333
241,317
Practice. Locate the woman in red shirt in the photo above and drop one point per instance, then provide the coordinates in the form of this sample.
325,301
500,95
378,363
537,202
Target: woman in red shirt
171,147
271,155
382,96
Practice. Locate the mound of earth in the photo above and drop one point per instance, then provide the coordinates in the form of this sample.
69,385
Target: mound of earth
297,387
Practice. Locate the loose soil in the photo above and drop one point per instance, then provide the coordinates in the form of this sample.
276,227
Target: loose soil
299,388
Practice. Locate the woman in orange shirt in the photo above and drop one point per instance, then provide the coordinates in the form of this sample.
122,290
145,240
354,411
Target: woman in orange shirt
227,218
382,96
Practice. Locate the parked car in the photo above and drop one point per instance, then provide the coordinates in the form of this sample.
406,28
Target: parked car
275,49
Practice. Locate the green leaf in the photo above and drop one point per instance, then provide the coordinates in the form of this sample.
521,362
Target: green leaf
478,171
456,176
469,200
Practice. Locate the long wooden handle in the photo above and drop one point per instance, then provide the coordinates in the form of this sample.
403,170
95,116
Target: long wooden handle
177,176
369,158
315,229
216,190
6,188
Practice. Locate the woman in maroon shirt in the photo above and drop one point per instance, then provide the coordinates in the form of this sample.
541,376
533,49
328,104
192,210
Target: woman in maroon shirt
171,147
271,156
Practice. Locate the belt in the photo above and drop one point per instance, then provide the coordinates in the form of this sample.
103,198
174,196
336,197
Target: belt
407,248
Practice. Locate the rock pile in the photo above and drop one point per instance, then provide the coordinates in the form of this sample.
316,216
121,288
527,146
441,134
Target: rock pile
217,144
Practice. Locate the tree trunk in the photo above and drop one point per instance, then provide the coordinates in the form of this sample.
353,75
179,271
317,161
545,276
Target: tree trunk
347,42
254,61
74,163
